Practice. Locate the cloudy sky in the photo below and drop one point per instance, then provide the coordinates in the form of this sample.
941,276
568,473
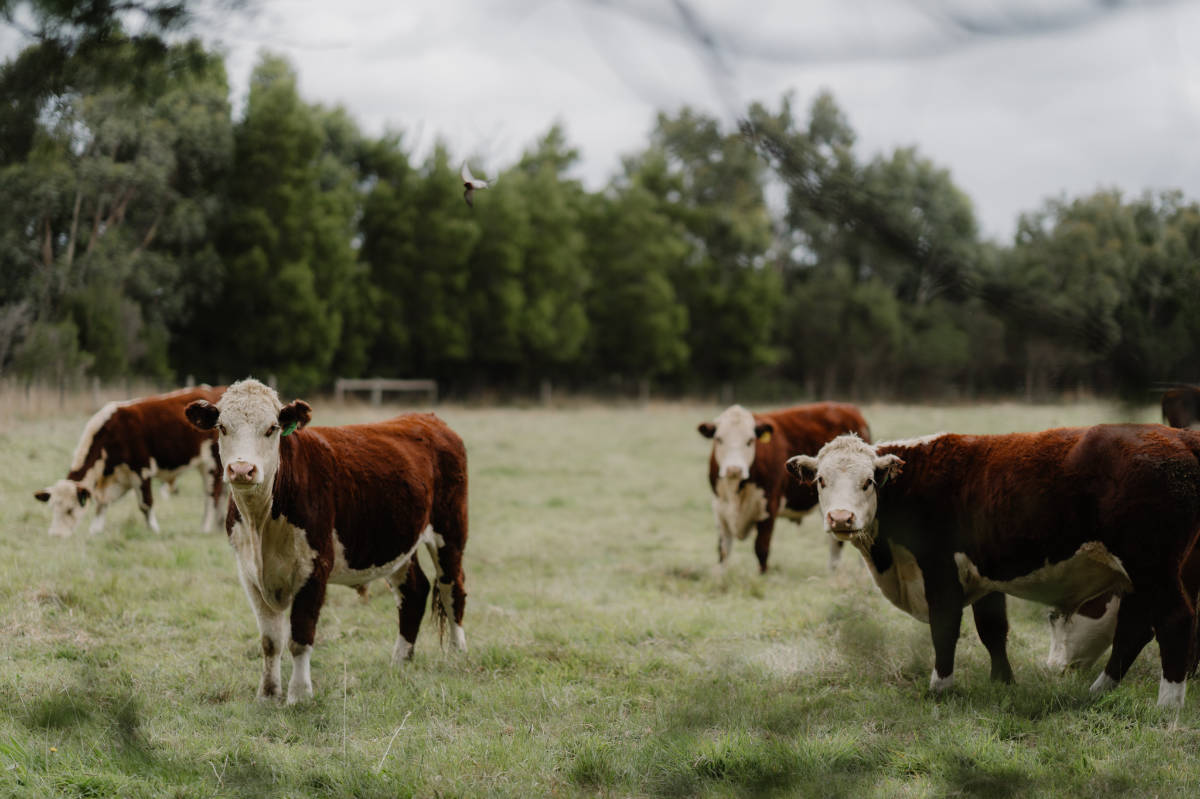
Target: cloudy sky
1020,99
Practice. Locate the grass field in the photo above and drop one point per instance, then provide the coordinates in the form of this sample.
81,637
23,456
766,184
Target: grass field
606,657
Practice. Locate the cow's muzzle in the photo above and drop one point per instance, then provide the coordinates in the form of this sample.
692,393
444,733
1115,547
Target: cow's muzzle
241,473
841,521
735,470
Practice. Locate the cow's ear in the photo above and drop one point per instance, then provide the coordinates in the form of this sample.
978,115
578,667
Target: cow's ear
707,429
42,496
202,414
294,415
82,494
803,468
763,431
887,467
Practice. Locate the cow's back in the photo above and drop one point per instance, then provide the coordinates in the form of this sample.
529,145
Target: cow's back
1026,497
803,430
140,431
380,484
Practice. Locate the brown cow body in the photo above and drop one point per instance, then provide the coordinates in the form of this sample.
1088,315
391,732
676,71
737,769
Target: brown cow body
337,504
1059,517
747,472
124,445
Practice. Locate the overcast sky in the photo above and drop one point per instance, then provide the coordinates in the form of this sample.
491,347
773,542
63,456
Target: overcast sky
1020,99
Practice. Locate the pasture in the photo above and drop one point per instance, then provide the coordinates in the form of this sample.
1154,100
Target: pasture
606,658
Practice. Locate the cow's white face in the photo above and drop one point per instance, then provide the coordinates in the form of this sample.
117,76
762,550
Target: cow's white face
67,500
734,435
1078,640
848,474
249,420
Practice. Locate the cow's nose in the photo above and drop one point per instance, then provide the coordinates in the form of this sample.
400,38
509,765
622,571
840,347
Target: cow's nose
840,520
733,470
240,472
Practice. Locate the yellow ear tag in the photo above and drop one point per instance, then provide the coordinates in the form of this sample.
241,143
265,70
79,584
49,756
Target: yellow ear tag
765,437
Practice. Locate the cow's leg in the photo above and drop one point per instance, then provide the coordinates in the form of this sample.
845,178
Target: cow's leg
410,586
273,632
762,542
98,522
146,503
944,594
1174,628
835,552
214,495
724,538
991,622
364,593
214,489
447,564
1134,631
306,608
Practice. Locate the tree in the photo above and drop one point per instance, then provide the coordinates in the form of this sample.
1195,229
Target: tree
711,184
639,327
117,191
285,242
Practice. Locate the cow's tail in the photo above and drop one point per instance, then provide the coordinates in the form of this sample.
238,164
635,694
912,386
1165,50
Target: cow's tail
439,612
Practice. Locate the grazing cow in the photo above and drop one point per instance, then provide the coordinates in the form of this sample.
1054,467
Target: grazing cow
1181,407
1078,640
1058,517
336,504
124,445
747,474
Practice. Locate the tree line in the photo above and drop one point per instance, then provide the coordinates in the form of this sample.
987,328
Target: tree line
150,232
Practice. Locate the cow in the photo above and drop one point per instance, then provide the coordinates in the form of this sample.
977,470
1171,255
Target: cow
746,469
1058,517
1079,639
123,446
318,505
1181,407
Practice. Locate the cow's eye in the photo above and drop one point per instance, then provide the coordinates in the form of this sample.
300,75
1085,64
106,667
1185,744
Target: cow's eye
221,429
272,430
821,482
749,442
717,439
867,485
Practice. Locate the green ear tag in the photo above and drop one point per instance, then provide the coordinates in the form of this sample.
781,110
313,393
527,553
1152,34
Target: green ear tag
291,428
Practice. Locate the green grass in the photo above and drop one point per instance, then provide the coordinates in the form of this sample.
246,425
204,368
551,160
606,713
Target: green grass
606,657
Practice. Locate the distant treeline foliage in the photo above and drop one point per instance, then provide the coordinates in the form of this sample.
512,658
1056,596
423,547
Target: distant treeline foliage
148,232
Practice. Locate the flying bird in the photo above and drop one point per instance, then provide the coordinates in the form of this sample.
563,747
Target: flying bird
471,184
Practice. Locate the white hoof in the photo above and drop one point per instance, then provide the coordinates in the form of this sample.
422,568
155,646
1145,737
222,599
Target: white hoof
1171,694
940,684
402,653
1103,684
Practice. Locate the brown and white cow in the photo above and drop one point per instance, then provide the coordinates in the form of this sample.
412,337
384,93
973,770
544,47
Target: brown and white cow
1058,517
315,505
1181,407
747,474
1077,640
123,446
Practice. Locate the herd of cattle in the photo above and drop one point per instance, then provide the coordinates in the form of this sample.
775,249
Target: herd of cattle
1101,523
